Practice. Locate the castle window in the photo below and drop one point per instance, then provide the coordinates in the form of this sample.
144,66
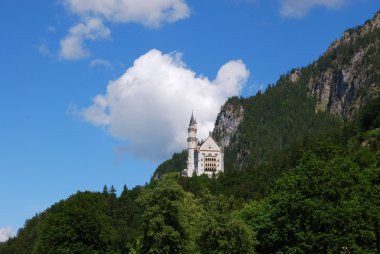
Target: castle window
210,167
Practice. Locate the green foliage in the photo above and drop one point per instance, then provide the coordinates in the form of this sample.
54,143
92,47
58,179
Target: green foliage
322,206
370,115
176,164
85,223
79,225
220,231
274,121
26,237
296,181
127,219
341,55
169,219
277,120
326,198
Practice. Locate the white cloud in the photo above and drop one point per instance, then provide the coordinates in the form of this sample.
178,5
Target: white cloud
51,29
299,8
5,233
150,13
149,106
72,47
100,62
44,50
146,12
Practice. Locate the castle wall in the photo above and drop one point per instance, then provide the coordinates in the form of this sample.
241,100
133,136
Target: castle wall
205,159
210,162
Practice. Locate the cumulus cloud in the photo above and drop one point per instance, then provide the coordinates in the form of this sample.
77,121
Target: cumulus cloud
150,13
44,50
100,63
72,47
146,12
149,106
299,8
5,233
51,29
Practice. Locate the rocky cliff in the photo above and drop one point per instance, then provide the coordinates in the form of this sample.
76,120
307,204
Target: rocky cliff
342,80
228,121
301,103
348,73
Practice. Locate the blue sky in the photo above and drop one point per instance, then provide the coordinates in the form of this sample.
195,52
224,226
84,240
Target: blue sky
95,94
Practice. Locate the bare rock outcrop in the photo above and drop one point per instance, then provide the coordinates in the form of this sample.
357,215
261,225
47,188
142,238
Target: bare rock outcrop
347,83
228,121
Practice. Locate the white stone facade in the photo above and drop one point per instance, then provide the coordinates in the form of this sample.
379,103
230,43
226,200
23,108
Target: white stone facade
206,158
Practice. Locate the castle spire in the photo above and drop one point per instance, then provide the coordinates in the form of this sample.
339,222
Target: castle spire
192,119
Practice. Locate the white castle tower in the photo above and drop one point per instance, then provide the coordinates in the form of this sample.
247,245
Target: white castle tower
206,158
192,146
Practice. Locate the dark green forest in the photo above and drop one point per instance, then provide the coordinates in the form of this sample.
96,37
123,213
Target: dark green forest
326,199
296,180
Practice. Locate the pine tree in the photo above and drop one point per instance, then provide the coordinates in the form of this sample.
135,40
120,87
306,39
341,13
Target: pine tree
105,190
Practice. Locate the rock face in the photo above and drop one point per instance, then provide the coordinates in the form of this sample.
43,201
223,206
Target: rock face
350,71
354,33
342,81
228,121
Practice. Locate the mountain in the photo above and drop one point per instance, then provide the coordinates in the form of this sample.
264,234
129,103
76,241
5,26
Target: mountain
302,175
303,104
349,71
340,82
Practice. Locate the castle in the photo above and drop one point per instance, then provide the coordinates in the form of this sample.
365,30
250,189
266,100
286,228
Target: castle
203,158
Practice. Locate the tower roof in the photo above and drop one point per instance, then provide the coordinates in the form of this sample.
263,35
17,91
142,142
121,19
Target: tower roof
192,120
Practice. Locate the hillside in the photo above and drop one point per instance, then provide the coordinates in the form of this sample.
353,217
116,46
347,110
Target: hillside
302,175
347,76
339,83
325,203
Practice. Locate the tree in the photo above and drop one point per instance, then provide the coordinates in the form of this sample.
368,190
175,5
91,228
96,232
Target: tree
113,191
128,220
220,231
169,218
105,190
370,115
320,207
78,225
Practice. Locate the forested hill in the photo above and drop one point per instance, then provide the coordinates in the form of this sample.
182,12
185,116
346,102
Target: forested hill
326,201
339,83
302,166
